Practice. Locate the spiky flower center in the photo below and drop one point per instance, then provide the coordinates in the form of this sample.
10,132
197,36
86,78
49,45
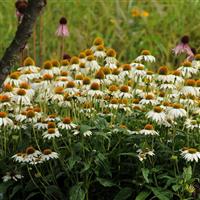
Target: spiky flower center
59,90
7,87
70,84
111,53
24,85
95,86
51,130
177,106
30,150
30,114
74,60
192,150
106,70
114,101
113,88
163,70
51,125
55,63
124,88
21,92
158,109
3,114
115,71
145,52
148,127
100,75
63,73
47,151
88,52
67,120
176,73
4,98
100,48
197,57
126,67
64,62
82,55
140,67
28,62
15,75
98,41
86,81
187,64
149,97
47,65
190,82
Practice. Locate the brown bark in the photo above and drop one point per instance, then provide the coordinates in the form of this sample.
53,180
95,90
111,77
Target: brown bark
22,35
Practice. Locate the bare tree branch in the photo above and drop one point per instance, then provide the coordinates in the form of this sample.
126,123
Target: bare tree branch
22,35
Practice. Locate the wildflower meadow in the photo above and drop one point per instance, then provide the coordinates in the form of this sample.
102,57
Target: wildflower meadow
92,123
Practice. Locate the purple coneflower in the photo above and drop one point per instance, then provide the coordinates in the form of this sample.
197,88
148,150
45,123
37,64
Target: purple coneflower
183,47
62,30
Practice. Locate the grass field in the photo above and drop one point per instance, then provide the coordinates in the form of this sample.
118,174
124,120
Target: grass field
168,20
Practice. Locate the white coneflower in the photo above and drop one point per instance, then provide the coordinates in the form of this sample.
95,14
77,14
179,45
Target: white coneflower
187,70
99,52
148,130
67,124
57,94
61,82
163,76
139,72
5,101
110,59
4,120
95,90
8,90
91,64
52,118
21,97
145,56
187,100
157,115
51,133
124,92
29,75
48,154
175,77
196,61
167,86
191,124
82,58
190,154
136,64
189,88
74,64
13,79
198,87
55,67
47,68
98,41
41,125
31,116
26,86
87,133
149,100
12,176
176,112
114,77
71,88
143,153
32,155
126,71
29,64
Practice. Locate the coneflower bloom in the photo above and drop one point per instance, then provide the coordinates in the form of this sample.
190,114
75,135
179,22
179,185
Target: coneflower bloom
67,124
95,90
99,52
4,120
97,42
148,130
62,30
176,111
124,92
57,94
143,153
187,70
51,133
191,124
12,176
196,61
21,97
183,47
189,88
190,154
157,115
48,154
145,56
91,64
13,79
29,65
149,100
110,59
55,67
5,101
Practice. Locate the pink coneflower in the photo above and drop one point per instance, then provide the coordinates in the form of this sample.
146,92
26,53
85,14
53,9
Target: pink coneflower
183,47
62,30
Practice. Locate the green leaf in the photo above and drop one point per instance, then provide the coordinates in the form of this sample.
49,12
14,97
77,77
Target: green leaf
76,193
105,182
84,128
145,173
16,189
124,194
54,191
4,186
32,195
162,194
187,173
143,195
176,187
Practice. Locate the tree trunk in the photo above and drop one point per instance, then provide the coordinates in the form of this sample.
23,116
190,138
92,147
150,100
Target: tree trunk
22,35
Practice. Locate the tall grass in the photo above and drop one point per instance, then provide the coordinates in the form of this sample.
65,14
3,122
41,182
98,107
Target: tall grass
168,20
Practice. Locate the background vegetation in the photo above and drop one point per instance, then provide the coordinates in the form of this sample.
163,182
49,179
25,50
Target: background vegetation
165,21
